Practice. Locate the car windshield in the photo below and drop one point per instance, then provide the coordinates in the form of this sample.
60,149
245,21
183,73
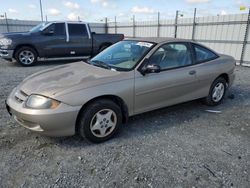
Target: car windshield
123,55
39,27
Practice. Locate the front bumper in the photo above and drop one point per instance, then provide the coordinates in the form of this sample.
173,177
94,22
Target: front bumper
6,54
50,122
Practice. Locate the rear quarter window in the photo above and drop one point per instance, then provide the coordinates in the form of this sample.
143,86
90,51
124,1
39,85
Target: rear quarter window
77,30
203,54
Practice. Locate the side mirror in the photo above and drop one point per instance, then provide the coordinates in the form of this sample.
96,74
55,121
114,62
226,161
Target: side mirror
93,33
153,68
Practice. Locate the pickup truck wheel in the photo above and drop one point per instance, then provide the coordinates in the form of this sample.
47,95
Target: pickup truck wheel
26,56
100,121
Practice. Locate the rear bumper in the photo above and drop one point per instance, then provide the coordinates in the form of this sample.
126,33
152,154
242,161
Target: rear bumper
6,54
50,122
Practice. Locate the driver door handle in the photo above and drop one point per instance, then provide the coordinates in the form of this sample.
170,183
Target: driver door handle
192,72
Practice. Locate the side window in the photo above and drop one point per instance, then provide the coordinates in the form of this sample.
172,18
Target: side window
172,55
57,29
203,54
77,30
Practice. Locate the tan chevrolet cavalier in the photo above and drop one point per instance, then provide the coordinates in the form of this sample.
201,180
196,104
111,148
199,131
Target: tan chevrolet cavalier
95,97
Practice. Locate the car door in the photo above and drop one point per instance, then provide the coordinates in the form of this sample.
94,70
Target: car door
80,42
206,67
175,83
53,41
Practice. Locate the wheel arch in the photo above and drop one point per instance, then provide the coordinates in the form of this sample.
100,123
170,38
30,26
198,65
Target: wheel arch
23,45
225,76
116,99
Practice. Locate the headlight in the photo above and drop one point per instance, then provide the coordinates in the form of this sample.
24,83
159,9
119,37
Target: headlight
41,102
5,41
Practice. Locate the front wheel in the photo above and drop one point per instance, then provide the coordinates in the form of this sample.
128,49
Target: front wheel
217,92
100,121
26,56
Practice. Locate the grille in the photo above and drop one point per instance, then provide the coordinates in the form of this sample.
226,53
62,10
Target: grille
18,99
20,96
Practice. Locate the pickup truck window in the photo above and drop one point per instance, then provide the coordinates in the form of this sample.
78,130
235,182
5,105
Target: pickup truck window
57,28
38,27
77,30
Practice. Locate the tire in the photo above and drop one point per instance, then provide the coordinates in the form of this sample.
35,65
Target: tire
216,93
99,111
26,56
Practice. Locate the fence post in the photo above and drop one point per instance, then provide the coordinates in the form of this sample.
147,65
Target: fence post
194,24
176,22
133,26
7,24
41,10
158,24
245,38
115,26
106,25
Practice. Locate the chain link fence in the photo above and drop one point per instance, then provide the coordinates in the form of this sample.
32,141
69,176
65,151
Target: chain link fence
227,34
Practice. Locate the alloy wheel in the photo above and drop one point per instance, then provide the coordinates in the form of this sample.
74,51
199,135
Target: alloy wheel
103,123
218,92
26,57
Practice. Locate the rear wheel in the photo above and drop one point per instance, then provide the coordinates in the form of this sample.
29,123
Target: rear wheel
217,92
26,56
100,121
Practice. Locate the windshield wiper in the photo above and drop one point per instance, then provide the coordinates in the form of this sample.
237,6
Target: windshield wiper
100,64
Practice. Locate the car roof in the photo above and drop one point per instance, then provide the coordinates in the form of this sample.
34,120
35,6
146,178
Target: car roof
69,22
158,39
162,40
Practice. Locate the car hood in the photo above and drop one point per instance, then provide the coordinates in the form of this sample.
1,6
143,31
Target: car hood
13,35
67,78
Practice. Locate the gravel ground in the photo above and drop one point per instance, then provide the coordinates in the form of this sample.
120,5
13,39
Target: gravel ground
179,146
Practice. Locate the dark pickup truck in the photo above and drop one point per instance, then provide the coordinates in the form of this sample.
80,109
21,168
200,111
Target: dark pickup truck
54,41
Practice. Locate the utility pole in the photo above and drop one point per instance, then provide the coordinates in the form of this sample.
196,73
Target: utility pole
176,22
6,20
194,25
158,24
245,38
41,9
106,25
134,26
115,26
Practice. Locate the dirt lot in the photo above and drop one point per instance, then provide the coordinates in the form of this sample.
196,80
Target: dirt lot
179,146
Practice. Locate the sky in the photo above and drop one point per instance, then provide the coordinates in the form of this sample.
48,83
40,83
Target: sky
97,10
